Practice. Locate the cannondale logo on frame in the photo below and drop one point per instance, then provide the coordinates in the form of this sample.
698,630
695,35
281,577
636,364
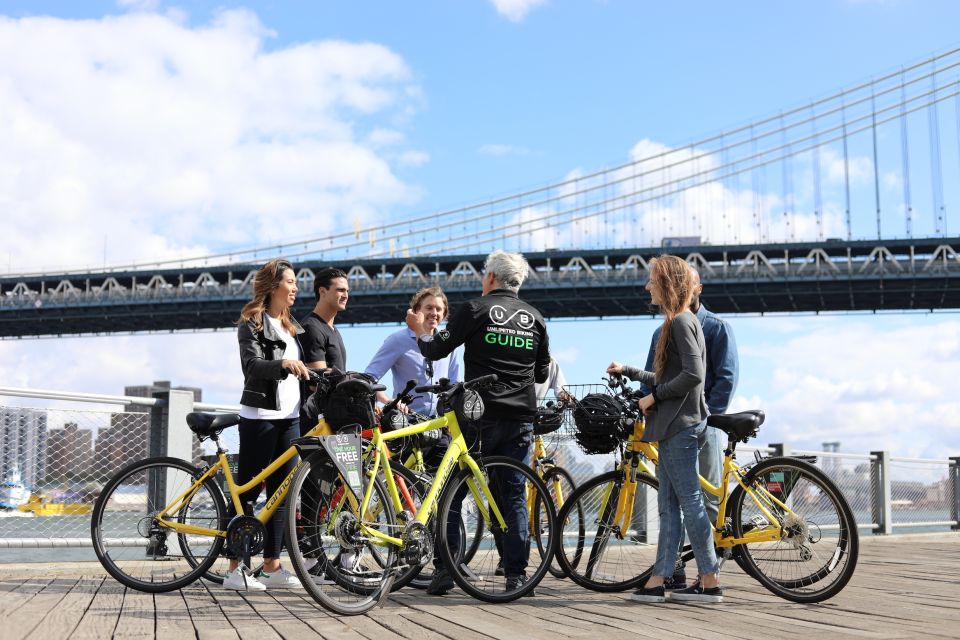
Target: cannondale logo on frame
499,316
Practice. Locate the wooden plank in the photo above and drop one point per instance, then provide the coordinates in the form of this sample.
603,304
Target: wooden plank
28,616
100,618
173,617
137,616
62,620
904,587
209,619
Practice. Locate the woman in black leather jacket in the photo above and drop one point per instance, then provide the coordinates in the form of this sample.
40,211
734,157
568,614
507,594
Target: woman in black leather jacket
270,406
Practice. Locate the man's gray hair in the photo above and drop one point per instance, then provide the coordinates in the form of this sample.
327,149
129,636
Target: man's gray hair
510,269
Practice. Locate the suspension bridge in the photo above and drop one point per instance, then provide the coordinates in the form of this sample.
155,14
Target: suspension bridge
846,203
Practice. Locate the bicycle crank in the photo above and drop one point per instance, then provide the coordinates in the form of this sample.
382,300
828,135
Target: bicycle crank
417,544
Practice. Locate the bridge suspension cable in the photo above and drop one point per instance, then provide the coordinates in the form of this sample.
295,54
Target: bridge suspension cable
696,189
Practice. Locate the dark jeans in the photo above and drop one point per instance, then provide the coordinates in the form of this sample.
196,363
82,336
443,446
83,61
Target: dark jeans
262,442
500,437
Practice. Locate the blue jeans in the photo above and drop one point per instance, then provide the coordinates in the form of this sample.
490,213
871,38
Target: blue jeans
711,441
500,437
680,502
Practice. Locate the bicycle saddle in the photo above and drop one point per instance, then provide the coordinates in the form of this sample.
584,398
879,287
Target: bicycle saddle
739,426
207,424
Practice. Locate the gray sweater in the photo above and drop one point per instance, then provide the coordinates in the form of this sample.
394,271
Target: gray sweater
680,401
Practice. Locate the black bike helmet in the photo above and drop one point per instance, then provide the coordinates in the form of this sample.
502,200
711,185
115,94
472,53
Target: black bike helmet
547,420
468,405
598,417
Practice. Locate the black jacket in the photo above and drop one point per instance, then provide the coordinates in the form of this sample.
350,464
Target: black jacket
504,335
261,353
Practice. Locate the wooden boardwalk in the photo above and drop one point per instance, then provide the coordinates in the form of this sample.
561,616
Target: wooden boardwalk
905,587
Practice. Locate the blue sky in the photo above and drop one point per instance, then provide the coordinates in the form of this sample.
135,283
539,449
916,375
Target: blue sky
398,109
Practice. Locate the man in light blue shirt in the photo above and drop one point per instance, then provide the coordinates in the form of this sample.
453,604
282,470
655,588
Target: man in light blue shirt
400,354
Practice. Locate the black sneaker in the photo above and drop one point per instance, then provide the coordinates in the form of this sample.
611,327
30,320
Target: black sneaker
499,570
652,594
696,593
515,582
676,581
440,584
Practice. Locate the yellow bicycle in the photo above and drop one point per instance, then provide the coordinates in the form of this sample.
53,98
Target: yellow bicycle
465,517
559,482
161,523
781,519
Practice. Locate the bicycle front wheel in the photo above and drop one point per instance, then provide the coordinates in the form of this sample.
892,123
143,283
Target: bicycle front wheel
340,565
136,547
464,515
815,550
596,550
560,487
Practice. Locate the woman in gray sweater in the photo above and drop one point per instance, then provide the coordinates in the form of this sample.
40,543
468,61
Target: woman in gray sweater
676,413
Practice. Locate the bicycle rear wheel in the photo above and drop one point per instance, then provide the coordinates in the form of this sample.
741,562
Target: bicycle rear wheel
476,572
594,549
134,547
816,552
560,486
344,570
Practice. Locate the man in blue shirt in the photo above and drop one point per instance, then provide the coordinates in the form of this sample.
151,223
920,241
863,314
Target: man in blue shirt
400,354
719,386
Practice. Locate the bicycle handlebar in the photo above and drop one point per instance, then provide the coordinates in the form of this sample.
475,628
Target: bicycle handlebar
403,396
444,386
316,375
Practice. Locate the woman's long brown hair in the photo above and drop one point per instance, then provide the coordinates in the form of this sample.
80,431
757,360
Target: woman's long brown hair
673,278
268,278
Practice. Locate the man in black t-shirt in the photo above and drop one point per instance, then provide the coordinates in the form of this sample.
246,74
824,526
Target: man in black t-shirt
322,344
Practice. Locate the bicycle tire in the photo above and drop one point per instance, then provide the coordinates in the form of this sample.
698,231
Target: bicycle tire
818,554
593,552
560,486
131,547
477,575
217,571
346,576
417,485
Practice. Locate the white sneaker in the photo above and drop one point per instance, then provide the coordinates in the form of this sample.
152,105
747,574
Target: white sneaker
238,580
279,579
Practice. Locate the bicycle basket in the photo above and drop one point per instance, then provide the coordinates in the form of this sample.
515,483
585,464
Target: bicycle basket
350,404
599,420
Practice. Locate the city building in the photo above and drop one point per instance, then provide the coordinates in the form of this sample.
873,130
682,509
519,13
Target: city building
23,444
69,453
128,437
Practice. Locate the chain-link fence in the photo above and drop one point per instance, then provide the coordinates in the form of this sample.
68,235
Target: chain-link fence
54,461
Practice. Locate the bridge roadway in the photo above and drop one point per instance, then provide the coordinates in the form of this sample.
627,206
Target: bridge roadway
801,277
904,587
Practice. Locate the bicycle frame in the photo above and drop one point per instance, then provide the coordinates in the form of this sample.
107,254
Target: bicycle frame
222,464
456,454
635,457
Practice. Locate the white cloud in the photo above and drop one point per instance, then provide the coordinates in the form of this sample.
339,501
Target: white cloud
139,136
871,388
498,150
413,158
515,10
147,6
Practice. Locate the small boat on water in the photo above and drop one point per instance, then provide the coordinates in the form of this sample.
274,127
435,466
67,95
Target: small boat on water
40,505
13,492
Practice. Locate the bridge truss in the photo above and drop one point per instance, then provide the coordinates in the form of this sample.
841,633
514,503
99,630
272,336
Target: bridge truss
782,278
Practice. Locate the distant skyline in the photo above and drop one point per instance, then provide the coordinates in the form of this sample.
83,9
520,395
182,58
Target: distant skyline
140,130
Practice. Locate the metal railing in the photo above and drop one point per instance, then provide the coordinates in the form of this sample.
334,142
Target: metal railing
64,455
